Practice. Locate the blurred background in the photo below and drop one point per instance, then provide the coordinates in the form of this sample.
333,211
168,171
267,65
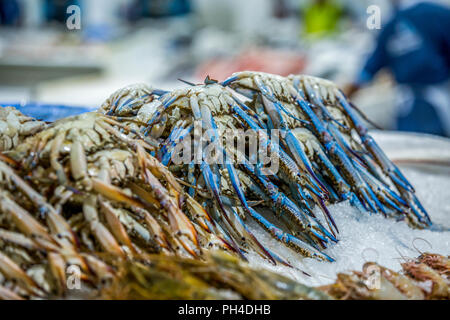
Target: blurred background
392,57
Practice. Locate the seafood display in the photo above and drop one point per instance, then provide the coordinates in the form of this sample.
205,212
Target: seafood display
162,184
80,188
303,124
427,277
219,276
15,127
321,128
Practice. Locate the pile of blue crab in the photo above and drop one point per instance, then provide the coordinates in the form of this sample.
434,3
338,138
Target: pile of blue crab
316,136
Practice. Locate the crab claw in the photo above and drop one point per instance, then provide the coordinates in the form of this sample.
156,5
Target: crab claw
6,294
24,221
178,220
387,166
12,271
101,233
288,239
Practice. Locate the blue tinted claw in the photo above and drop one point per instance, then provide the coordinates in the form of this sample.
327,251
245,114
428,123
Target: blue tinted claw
340,158
387,166
421,208
382,192
286,206
159,92
191,178
314,96
267,95
229,80
213,180
288,239
166,101
302,159
168,152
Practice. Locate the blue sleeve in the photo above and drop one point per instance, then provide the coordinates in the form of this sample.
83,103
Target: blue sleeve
379,58
443,26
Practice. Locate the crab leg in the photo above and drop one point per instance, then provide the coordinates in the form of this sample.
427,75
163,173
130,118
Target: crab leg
337,154
114,193
144,196
12,271
389,168
116,226
237,224
60,230
285,205
101,233
262,90
78,162
288,166
314,96
124,100
254,115
173,136
6,294
18,239
200,214
374,180
289,240
361,157
178,221
28,225
129,103
385,194
274,109
191,178
58,270
56,222
54,155
100,269
339,182
167,154
166,100
24,221
211,180
292,142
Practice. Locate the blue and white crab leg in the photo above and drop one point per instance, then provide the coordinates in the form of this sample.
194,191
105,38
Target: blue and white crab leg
288,239
211,179
293,144
389,168
287,206
166,157
288,165
336,152
314,96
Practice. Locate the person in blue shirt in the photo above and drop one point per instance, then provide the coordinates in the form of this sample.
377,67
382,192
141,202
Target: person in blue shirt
158,8
56,10
415,47
9,12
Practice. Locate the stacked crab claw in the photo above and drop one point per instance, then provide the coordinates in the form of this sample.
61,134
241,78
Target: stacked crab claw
306,125
425,277
155,172
82,192
15,127
223,187
326,136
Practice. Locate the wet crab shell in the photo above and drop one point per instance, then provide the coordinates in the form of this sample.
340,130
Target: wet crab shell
15,127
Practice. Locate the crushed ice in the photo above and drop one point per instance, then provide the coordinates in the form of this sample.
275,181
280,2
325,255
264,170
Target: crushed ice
365,237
